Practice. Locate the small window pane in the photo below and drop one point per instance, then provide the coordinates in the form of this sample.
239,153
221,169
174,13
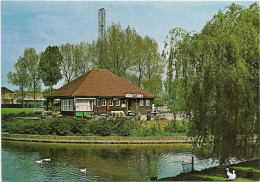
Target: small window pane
103,102
141,103
118,102
147,103
110,102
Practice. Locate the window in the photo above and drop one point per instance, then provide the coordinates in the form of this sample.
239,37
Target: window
118,102
67,105
103,102
124,103
147,103
110,102
97,103
84,105
141,103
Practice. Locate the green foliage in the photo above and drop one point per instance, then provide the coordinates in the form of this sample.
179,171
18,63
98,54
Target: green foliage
102,127
158,102
49,66
214,76
132,57
69,61
32,66
20,76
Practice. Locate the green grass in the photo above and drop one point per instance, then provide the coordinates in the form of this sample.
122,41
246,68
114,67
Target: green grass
15,110
219,174
156,133
212,178
247,168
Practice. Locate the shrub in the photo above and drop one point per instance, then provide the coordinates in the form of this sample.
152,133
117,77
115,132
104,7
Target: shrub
123,126
102,127
60,127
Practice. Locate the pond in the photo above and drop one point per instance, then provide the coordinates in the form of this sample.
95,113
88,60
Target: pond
103,162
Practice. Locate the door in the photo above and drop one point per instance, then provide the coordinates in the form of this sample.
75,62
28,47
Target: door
133,106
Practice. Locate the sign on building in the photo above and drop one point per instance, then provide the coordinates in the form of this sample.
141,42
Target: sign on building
134,95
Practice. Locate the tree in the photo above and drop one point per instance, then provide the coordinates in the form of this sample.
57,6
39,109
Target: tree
32,64
69,62
216,80
125,53
49,66
154,66
85,55
115,50
20,76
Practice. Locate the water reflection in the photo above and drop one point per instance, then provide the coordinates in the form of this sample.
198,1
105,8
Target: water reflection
103,162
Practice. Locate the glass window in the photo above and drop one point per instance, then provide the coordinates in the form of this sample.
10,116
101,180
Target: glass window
141,103
147,103
118,102
67,104
84,105
103,102
124,103
110,102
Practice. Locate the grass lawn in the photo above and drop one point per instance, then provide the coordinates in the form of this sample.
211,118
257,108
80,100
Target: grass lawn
219,174
16,110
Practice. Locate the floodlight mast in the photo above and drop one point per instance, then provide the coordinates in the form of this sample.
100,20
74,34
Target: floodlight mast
101,23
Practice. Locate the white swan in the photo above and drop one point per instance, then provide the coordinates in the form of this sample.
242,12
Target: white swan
228,173
83,170
233,176
39,162
47,160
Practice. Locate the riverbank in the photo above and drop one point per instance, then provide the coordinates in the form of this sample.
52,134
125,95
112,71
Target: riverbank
219,174
96,139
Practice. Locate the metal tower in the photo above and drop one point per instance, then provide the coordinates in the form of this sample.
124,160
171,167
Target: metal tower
101,23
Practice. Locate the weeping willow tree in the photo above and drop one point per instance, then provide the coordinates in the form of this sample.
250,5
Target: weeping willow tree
215,77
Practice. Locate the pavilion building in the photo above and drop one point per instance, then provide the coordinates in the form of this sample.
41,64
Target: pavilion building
99,92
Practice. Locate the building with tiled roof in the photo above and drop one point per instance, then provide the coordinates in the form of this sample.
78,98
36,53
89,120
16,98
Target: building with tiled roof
100,91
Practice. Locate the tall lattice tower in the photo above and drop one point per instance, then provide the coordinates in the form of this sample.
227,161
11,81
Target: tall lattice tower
101,23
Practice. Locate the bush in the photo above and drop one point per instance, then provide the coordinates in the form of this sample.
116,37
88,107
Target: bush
177,126
61,127
123,126
102,127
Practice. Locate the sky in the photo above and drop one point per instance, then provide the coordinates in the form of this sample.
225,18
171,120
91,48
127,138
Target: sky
38,24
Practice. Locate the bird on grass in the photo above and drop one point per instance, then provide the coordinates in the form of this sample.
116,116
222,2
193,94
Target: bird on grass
83,170
228,173
233,176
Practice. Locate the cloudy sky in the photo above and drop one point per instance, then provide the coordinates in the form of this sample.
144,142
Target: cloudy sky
43,23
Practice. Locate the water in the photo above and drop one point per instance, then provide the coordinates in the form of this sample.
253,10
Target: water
103,162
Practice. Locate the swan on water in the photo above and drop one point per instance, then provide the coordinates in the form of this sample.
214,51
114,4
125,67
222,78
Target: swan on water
39,162
47,160
83,170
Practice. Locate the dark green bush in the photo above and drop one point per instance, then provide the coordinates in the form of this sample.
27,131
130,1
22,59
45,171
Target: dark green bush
177,126
123,126
102,127
60,126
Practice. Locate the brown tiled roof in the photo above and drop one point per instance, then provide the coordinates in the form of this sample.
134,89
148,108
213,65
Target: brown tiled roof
99,82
